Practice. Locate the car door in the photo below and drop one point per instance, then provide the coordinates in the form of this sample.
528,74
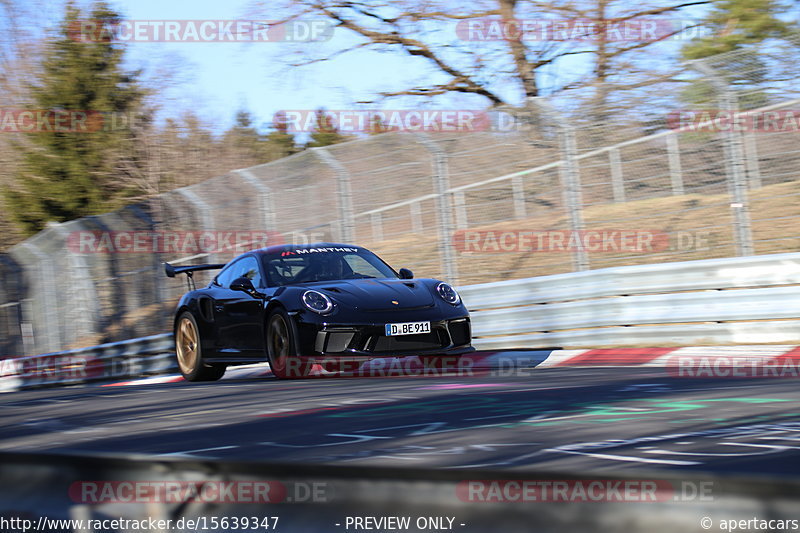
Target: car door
237,314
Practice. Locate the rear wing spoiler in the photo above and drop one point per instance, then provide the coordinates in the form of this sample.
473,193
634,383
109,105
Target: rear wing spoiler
171,271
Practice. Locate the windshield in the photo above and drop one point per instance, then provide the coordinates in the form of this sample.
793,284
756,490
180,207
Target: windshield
306,265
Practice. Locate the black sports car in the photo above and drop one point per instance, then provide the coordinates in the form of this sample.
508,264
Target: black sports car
320,303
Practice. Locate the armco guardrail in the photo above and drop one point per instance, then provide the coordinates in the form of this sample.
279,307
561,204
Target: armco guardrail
746,300
752,299
135,357
46,488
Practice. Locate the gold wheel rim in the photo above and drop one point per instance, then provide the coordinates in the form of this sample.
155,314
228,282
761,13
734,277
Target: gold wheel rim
186,344
279,344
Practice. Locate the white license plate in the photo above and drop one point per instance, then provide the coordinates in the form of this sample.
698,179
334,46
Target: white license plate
407,328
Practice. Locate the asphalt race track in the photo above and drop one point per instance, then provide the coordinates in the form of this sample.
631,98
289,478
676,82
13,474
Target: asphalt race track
557,419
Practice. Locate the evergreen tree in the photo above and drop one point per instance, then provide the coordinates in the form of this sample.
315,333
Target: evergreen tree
325,131
247,146
245,139
281,143
72,173
738,26
738,23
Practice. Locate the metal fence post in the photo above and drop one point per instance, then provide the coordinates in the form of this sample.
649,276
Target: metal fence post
83,297
264,198
674,162
735,159
26,327
111,309
460,206
617,182
416,217
570,177
751,151
206,214
376,221
6,303
12,306
345,195
43,313
518,195
441,187
160,290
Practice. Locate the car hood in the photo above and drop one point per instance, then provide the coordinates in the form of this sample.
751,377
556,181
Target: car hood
378,294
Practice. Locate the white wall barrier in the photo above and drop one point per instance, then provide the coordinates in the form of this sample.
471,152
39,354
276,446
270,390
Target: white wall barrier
739,300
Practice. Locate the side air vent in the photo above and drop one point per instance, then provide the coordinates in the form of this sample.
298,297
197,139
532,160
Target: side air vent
206,311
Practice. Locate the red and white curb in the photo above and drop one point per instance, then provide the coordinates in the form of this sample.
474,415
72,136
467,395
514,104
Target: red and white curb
693,361
238,372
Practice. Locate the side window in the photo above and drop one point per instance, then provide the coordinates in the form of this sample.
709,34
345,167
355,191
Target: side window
225,277
247,267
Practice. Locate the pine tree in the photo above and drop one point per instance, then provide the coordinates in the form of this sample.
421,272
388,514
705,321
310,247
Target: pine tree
325,131
73,173
245,140
738,23
281,143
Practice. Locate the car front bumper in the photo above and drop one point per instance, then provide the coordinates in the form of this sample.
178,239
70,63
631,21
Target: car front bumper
360,342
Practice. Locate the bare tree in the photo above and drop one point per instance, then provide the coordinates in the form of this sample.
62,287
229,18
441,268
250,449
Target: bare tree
482,48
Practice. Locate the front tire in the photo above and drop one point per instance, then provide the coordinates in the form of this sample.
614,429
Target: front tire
282,347
189,352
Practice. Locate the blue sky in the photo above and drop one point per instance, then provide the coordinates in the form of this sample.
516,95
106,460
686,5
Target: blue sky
219,78
216,79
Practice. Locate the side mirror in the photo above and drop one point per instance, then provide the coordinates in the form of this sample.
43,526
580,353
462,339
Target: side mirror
245,285
406,274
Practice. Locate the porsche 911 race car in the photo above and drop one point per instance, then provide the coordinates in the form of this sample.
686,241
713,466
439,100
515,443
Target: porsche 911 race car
297,305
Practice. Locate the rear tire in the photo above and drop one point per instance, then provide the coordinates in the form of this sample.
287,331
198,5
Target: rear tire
189,352
282,347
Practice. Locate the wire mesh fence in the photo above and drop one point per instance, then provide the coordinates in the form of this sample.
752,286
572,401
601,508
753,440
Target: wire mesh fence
701,164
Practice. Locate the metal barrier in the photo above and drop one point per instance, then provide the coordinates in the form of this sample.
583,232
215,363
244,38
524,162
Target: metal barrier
135,357
744,300
741,300
50,489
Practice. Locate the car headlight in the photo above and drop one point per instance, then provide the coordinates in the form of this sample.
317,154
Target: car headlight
317,302
448,294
